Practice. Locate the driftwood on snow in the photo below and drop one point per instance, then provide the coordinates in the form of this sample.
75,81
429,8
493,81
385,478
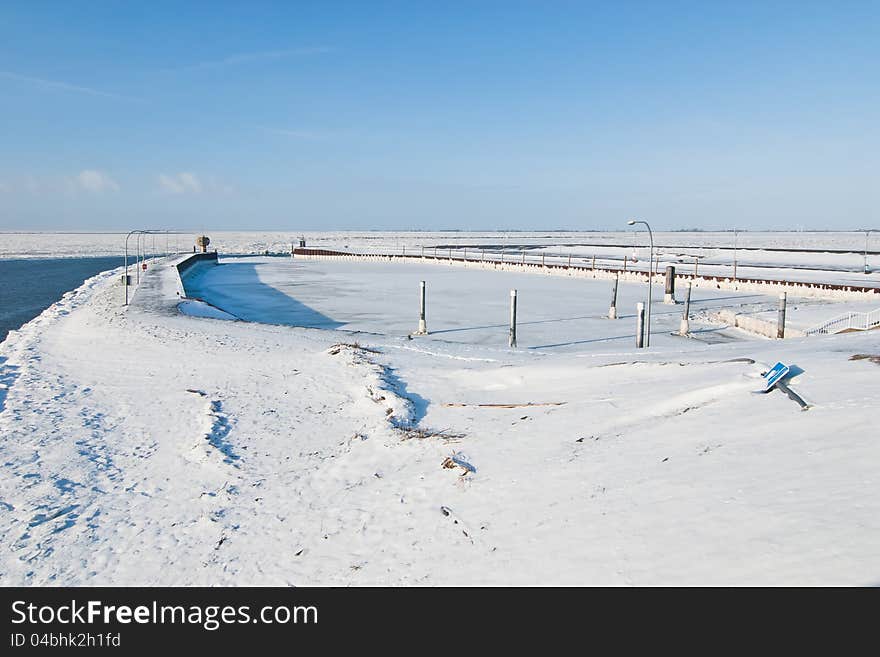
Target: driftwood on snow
524,405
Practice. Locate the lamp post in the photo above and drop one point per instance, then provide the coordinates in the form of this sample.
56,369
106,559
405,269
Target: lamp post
633,222
141,253
137,256
735,235
138,232
867,233
142,248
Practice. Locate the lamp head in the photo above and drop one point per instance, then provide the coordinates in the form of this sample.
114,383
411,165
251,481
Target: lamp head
631,222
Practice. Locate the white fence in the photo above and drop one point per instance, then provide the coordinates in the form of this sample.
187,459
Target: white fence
851,321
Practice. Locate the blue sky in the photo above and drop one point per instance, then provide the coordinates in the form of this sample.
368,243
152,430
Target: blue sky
462,115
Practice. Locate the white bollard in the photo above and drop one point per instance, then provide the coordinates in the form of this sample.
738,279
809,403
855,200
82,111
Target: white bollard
423,327
512,337
669,296
780,321
640,325
612,311
685,327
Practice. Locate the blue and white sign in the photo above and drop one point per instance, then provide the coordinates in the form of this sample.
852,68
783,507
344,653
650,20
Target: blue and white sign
775,375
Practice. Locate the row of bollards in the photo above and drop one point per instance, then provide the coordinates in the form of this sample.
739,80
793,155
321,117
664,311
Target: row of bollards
641,314
684,326
423,325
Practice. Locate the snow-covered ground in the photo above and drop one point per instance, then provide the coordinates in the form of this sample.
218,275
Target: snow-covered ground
146,446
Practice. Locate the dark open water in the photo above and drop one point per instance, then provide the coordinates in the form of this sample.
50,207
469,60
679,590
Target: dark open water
28,287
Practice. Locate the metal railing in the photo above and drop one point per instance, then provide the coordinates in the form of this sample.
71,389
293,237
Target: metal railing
540,260
501,256
851,321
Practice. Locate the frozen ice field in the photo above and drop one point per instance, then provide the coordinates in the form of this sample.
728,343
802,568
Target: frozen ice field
465,306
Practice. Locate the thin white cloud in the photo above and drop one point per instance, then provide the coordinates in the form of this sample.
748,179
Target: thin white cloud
94,182
190,182
184,182
170,184
248,57
216,187
87,181
62,86
187,182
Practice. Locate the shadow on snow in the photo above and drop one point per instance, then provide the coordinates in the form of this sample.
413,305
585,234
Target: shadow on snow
236,288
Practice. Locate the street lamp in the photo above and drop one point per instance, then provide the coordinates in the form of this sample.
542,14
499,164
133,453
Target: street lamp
633,222
134,232
137,255
141,252
867,233
735,235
